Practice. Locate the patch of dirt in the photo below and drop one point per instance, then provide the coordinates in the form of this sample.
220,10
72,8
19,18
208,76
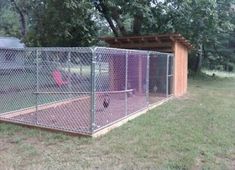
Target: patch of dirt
233,162
198,163
228,161
4,144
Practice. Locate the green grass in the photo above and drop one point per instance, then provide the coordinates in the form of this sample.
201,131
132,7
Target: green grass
219,73
196,131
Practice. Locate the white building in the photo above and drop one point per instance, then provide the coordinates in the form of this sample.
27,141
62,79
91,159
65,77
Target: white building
11,59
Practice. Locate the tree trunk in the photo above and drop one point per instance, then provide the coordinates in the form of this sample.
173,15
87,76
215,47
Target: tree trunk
120,25
21,19
112,26
102,8
115,13
199,58
137,23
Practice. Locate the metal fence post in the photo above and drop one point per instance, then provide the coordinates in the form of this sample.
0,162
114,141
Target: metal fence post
37,83
126,83
167,77
147,79
69,70
93,90
173,75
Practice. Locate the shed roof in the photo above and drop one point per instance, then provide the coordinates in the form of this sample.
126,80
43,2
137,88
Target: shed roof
162,42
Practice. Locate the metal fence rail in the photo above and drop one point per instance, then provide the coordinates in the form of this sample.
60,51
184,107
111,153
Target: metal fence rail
80,90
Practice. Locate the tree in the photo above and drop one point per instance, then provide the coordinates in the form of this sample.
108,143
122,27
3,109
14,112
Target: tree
9,24
21,7
205,23
208,24
56,23
124,17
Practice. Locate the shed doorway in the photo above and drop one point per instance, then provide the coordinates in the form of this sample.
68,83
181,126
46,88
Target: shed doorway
160,77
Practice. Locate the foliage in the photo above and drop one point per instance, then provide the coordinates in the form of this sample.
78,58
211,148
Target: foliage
56,23
48,22
207,24
9,24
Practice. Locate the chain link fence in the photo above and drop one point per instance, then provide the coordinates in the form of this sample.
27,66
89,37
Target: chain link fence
80,90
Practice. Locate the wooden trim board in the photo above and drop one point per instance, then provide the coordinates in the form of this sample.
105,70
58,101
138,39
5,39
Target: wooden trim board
97,133
119,123
41,107
50,129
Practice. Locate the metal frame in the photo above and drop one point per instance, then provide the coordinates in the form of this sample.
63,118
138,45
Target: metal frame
100,92
167,73
37,85
172,73
147,78
69,70
126,83
92,92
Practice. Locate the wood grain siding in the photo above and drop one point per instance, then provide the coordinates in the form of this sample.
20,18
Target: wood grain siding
180,69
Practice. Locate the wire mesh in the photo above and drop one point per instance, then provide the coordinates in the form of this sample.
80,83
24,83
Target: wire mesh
170,74
158,77
137,68
110,86
80,90
51,85
17,80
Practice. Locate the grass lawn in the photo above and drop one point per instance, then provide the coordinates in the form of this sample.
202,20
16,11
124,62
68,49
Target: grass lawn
196,131
220,73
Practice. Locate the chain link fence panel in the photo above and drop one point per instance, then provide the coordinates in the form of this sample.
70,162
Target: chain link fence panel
80,90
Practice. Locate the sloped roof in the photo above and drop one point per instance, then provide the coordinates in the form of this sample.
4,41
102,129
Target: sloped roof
162,42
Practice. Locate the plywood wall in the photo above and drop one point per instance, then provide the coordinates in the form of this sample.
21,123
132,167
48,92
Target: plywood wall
180,69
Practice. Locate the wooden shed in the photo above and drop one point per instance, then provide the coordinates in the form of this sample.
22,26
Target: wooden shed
170,43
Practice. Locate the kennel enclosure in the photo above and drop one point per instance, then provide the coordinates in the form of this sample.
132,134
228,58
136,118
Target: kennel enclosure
173,43
81,90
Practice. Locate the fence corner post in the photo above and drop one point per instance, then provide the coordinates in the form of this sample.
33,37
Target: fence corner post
93,90
126,83
69,72
37,84
167,76
147,78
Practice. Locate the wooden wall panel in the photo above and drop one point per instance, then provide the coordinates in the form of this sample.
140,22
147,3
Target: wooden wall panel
180,70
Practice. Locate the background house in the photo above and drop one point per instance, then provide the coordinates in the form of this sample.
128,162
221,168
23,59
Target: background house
9,61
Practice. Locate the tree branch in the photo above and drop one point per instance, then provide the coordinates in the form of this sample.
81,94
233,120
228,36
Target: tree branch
117,19
102,8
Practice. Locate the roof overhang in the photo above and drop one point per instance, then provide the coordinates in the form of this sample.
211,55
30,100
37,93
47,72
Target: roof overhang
163,42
